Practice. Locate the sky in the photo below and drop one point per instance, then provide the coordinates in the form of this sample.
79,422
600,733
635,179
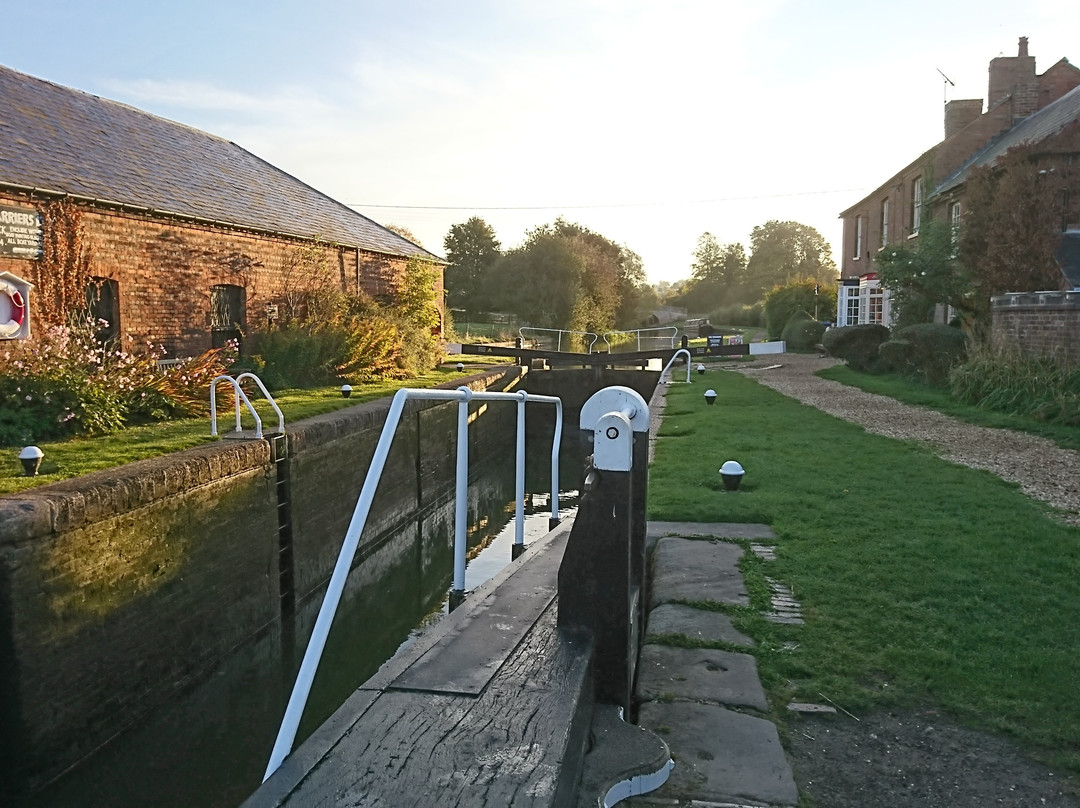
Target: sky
648,122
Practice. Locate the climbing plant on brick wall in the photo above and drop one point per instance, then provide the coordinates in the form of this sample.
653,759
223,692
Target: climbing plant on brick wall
62,275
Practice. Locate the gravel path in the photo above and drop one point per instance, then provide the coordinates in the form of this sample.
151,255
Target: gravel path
1041,469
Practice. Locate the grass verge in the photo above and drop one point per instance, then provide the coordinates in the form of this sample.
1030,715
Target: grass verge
922,582
75,457
1067,437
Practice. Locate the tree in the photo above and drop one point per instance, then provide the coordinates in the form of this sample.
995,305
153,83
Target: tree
718,272
784,302
404,232
927,273
635,294
785,252
471,249
564,276
1016,209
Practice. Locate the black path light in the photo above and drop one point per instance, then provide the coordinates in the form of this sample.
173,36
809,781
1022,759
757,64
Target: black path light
701,370
30,457
460,367
346,391
710,397
732,473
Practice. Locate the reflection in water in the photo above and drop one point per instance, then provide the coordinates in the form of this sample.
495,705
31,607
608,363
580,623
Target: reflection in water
211,746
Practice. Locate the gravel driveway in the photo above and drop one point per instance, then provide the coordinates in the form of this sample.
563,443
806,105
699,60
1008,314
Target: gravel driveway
1041,469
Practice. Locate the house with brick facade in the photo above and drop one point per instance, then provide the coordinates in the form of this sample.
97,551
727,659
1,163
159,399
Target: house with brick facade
1023,107
188,238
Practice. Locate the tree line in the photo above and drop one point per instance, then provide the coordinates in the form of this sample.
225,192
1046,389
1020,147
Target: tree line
566,276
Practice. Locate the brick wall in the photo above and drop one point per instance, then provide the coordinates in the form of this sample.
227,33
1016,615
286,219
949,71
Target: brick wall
165,270
120,588
1042,324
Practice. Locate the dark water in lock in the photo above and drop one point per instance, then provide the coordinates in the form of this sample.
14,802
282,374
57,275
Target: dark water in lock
211,746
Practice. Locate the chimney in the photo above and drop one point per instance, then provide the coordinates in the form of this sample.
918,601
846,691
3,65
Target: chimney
1015,76
959,113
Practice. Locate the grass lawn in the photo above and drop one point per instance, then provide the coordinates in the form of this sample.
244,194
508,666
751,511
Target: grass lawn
922,582
75,457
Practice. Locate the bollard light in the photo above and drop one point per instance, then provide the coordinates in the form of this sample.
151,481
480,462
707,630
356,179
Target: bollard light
710,397
30,457
460,367
701,370
346,391
732,473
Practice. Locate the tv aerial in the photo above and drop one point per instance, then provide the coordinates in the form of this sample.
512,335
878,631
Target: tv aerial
945,86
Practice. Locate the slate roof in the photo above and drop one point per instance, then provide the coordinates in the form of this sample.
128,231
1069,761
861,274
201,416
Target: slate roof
55,138
1038,126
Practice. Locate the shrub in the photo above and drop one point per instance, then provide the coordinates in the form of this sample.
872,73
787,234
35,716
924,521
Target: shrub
738,314
857,345
783,301
802,332
925,352
295,356
67,383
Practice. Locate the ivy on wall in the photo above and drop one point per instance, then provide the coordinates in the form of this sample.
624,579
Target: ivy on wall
62,275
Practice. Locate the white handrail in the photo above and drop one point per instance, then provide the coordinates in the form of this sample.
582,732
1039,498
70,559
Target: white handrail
639,331
672,360
266,395
240,395
463,395
560,332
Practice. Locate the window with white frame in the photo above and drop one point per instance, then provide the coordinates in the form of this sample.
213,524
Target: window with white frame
954,224
884,222
916,205
852,310
876,305
858,236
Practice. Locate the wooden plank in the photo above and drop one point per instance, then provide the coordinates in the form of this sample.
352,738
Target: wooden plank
472,651
520,743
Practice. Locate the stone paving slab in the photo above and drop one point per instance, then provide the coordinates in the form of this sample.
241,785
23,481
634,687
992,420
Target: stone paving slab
720,755
699,675
716,530
695,624
688,570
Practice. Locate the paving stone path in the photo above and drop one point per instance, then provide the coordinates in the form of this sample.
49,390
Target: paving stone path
708,704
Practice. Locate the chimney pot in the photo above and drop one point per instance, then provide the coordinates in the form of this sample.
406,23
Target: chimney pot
1023,46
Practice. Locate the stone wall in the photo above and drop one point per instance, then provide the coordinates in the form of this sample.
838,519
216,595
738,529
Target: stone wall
120,588
1039,324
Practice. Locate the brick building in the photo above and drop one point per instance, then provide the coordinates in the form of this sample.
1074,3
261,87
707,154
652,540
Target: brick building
190,238
1023,107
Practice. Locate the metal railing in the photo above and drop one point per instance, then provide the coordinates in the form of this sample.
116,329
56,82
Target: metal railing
463,395
670,335
238,396
672,361
559,332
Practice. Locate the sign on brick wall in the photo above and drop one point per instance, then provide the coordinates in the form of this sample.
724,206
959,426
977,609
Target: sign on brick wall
20,232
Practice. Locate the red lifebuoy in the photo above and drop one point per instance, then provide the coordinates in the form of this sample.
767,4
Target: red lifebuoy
12,326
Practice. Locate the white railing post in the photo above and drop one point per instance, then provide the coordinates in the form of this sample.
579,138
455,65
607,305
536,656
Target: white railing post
313,653
334,589
238,396
266,395
556,443
519,477
461,511
672,360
